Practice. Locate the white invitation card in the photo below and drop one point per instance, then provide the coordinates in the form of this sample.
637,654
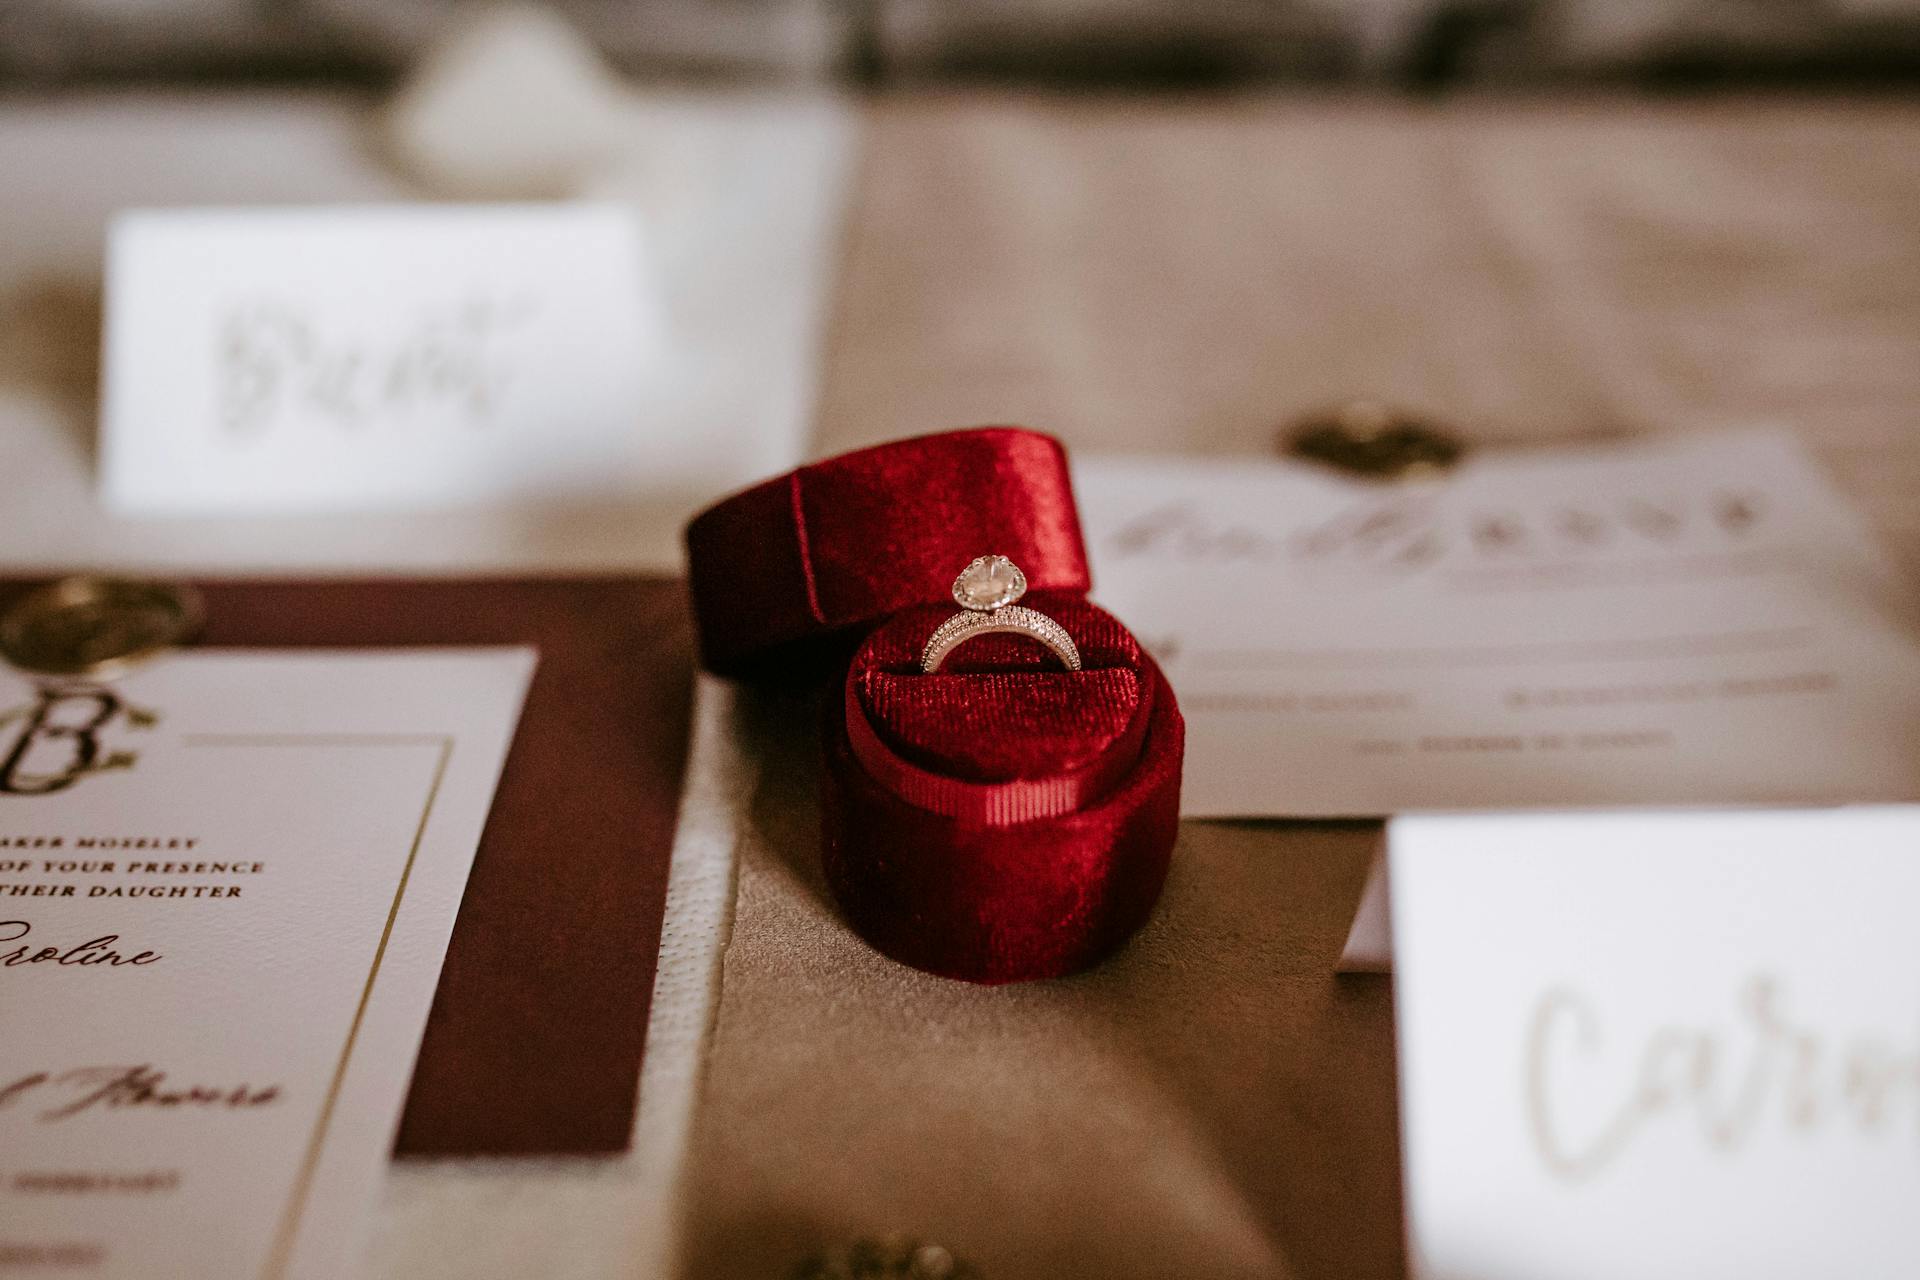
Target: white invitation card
1672,1046
226,887
283,358
1695,620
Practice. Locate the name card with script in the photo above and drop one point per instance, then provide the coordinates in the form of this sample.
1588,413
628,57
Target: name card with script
269,359
1672,1046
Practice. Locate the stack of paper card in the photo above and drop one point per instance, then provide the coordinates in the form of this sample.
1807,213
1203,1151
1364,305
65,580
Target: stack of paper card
1693,621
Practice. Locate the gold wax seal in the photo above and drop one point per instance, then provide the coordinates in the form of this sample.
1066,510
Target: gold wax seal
96,626
1374,440
892,1257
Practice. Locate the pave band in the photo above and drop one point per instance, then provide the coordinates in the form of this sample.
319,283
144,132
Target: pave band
1016,619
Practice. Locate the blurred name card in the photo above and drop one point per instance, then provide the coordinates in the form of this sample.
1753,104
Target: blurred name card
1680,1046
278,359
1694,621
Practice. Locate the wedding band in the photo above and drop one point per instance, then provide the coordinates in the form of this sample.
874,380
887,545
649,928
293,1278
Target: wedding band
986,592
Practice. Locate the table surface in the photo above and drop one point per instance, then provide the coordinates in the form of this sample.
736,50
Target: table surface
1185,276
1176,275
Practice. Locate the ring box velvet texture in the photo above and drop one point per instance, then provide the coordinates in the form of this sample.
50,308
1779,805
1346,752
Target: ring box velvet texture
1002,819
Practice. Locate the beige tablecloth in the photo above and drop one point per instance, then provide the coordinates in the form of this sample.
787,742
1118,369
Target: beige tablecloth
1183,276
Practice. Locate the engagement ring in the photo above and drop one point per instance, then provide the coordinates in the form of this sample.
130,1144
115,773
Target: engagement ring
986,592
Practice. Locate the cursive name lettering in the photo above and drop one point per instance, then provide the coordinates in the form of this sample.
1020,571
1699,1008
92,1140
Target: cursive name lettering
86,955
63,1095
1769,1070
279,365
1406,533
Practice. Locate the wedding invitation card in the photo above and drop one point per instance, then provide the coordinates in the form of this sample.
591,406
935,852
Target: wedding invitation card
1672,1046
226,885
1696,620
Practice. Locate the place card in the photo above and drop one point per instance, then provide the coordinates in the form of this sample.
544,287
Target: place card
1686,621
283,358
1668,1046
226,886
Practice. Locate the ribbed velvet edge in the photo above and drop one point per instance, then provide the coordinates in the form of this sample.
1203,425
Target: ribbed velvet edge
994,904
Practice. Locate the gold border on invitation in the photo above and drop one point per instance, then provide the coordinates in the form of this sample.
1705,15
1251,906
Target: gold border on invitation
289,1229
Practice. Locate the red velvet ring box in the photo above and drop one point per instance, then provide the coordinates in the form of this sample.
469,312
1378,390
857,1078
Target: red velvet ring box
1002,819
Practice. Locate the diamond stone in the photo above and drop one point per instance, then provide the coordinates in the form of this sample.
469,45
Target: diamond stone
991,582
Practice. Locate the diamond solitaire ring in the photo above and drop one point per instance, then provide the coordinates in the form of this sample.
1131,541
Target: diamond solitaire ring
986,592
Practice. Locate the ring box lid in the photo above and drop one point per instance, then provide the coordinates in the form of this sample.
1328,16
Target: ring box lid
784,569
